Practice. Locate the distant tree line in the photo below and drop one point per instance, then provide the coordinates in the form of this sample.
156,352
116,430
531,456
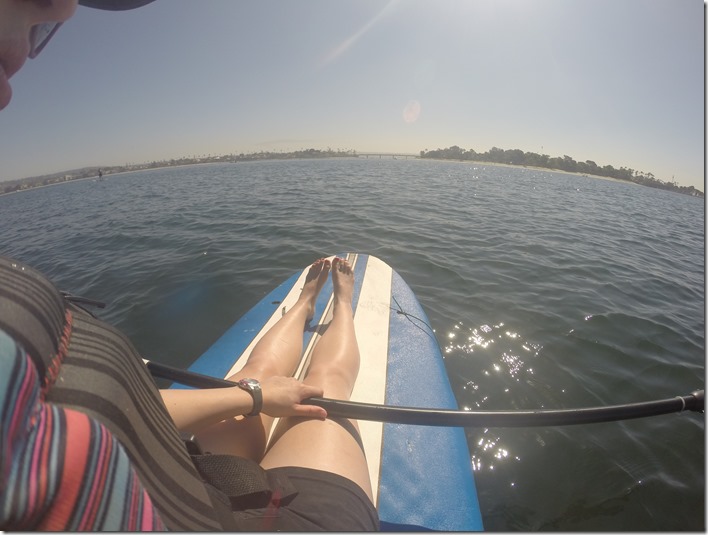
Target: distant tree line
566,163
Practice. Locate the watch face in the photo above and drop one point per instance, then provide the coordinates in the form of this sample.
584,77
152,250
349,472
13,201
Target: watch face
250,383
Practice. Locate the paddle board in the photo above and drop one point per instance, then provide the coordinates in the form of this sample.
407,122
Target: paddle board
421,476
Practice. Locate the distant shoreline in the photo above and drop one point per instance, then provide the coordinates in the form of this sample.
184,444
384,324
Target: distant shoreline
566,164
24,184
108,171
106,176
49,185
534,168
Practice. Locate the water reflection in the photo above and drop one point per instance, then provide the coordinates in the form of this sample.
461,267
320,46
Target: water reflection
490,453
503,353
498,377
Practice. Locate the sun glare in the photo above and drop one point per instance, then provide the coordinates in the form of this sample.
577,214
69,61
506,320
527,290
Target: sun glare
350,41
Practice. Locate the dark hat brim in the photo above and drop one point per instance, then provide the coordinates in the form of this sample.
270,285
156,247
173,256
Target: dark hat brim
114,5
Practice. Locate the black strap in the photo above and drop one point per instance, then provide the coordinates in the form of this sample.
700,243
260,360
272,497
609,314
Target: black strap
222,508
244,481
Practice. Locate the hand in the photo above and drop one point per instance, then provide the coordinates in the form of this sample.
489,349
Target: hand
282,397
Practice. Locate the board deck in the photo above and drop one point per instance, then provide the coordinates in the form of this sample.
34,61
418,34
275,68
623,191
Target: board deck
421,476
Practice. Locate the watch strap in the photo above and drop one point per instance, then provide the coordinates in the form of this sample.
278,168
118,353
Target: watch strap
253,387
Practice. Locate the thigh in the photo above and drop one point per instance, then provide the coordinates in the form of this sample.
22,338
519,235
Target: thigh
243,436
331,445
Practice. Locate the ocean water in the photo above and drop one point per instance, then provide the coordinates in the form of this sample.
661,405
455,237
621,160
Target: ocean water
545,290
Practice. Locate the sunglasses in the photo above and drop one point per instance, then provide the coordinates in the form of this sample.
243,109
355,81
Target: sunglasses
40,35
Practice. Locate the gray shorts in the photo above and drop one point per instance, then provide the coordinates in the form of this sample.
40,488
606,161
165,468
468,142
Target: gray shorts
324,502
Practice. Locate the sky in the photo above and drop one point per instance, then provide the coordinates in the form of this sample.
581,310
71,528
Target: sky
619,82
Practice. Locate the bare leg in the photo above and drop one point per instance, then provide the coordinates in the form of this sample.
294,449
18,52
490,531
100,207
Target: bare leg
328,445
277,353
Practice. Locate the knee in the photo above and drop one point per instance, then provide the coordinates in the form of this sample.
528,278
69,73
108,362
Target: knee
256,370
337,384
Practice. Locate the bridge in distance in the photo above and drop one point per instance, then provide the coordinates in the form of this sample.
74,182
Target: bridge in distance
389,155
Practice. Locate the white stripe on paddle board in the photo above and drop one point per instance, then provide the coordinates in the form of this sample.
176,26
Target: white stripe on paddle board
371,321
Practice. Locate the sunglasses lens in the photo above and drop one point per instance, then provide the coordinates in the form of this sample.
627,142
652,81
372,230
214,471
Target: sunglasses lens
40,36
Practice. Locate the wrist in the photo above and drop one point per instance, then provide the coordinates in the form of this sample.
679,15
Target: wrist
253,387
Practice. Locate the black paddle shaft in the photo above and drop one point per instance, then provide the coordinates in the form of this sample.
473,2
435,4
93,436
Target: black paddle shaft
456,418
536,418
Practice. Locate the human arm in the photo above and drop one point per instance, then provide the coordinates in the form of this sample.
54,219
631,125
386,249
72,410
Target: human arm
193,410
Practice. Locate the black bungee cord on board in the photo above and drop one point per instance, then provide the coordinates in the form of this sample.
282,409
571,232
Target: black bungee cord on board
411,317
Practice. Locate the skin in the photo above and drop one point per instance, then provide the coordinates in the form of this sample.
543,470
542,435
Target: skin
304,437
313,441
16,20
330,445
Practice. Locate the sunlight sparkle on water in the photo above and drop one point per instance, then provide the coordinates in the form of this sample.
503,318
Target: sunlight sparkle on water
514,363
501,371
501,453
471,385
490,452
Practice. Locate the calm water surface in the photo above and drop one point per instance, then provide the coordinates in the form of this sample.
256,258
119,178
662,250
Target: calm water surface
545,291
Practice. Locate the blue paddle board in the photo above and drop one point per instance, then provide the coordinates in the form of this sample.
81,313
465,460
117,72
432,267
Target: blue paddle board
421,476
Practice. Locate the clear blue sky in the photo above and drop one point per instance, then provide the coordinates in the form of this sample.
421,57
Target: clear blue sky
620,82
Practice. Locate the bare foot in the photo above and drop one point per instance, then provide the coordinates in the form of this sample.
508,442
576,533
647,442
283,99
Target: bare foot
314,281
343,280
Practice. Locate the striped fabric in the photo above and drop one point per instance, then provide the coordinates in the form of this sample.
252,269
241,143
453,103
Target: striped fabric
85,366
61,470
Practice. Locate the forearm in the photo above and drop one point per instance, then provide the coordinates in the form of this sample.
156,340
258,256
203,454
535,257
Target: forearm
193,410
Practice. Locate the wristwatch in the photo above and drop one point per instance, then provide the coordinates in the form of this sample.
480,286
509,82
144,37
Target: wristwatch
253,387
